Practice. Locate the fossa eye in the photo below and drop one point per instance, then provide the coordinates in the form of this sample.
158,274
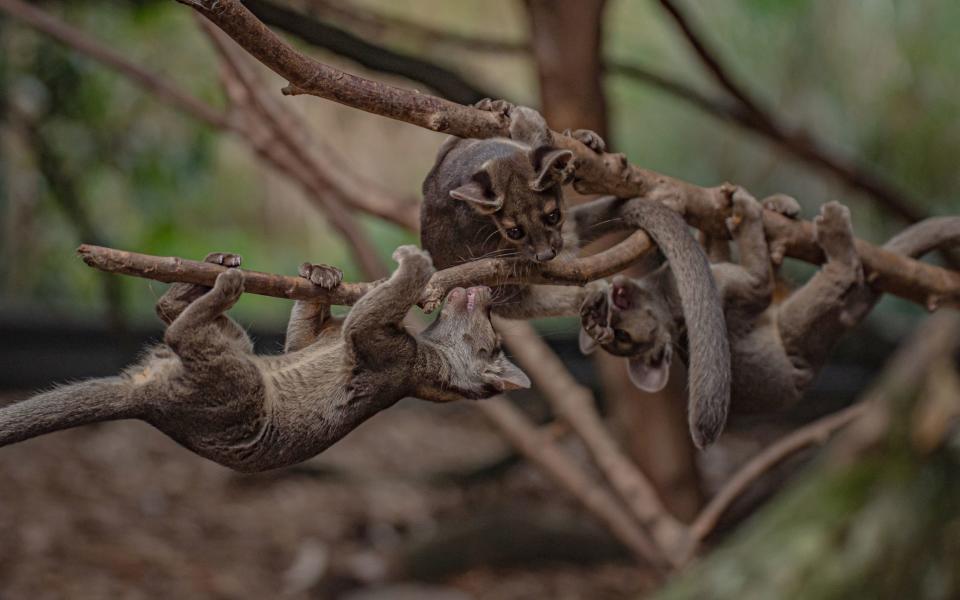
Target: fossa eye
515,233
553,217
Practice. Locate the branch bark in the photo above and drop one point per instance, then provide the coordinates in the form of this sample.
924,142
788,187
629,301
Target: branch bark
485,272
817,432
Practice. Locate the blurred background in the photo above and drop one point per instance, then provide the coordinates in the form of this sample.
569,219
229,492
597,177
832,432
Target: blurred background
820,100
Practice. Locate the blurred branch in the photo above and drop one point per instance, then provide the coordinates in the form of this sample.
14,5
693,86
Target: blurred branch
63,190
365,195
799,143
373,24
705,208
817,432
488,271
575,404
155,84
445,82
277,136
539,449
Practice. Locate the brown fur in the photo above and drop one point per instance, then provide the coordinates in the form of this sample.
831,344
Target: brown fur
206,388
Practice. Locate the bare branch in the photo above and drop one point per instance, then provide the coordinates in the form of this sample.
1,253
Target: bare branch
817,432
153,83
485,272
575,404
798,143
537,446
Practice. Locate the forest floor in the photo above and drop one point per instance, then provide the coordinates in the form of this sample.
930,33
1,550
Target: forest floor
416,503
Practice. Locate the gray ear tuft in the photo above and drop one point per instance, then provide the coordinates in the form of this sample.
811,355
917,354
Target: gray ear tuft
555,167
587,344
647,377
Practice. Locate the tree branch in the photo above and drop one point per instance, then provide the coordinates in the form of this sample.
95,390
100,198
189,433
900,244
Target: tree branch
798,143
446,83
485,272
705,208
817,432
536,446
575,404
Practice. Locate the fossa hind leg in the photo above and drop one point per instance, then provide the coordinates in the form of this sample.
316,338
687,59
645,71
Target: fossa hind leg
813,318
198,333
180,295
377,317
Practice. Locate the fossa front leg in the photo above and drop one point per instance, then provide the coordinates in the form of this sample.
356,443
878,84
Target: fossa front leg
310,318
749,285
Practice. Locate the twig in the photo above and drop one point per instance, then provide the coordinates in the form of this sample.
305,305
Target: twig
798,143
817,432
705,208
156,84
446,83
487,272
575,404
538,448
277,136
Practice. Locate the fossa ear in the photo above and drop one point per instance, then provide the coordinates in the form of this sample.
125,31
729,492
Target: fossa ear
650,376
505,376
554,167
478,193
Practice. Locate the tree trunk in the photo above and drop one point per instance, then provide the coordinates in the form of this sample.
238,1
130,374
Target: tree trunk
567,43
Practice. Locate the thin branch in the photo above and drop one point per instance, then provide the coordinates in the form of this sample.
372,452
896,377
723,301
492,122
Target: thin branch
487,272
575,404
798,143
363,194
157,85
705,208
277,136
446,83
539,449
815,433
